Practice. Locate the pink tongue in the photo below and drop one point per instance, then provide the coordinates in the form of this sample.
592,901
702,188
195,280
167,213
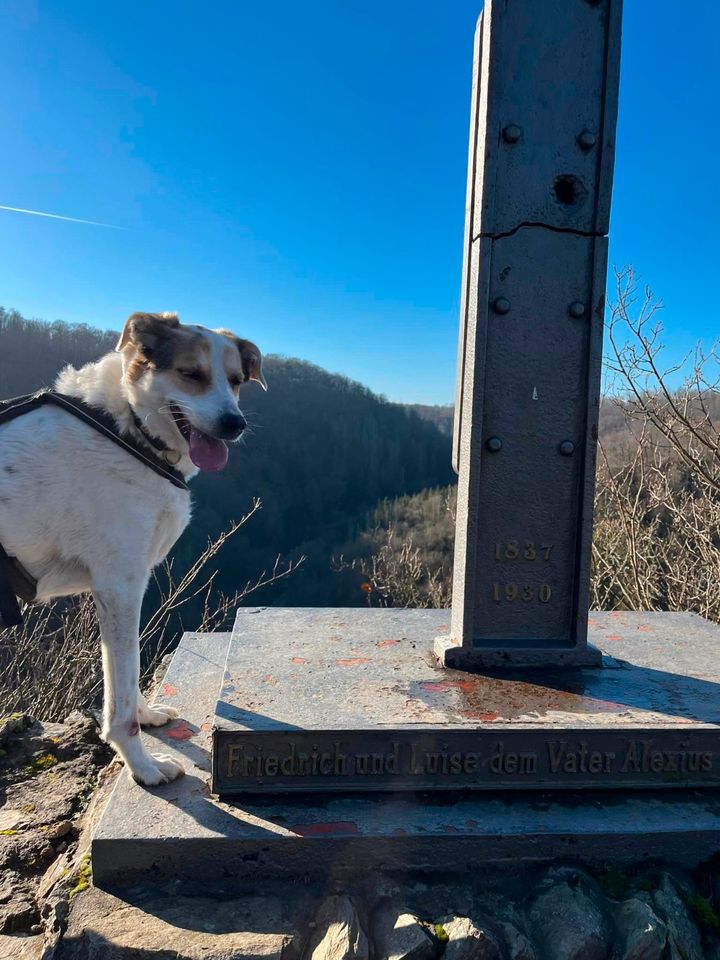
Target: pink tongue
206,452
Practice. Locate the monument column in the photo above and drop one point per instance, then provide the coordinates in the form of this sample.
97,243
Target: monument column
542,136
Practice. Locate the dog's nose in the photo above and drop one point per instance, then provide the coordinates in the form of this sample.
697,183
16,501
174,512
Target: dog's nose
231,425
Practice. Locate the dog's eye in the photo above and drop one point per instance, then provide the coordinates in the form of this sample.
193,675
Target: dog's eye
234,381
196,375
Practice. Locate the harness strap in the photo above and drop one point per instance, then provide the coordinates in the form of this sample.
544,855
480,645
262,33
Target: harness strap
97,419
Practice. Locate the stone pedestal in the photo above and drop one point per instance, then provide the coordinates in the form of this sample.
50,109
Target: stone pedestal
316,677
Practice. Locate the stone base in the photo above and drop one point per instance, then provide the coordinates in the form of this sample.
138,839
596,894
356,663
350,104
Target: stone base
181,831
452,655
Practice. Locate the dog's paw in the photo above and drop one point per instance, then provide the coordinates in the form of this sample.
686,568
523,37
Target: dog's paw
156,716
159,769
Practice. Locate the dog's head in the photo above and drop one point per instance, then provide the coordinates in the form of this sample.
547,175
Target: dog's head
190,377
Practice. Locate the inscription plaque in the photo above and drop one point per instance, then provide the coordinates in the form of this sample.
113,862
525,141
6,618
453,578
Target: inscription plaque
512,759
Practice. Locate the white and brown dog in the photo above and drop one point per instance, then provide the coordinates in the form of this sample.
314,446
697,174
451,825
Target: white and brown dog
80,514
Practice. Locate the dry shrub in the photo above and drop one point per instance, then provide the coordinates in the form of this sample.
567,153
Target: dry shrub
657,520
398,576
52,665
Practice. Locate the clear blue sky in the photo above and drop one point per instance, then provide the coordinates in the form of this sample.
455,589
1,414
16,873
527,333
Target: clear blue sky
296,171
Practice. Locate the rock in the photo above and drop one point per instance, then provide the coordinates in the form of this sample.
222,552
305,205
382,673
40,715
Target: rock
399,936
337,933
467,941
14,724
21,948
18,914
517,944
683,937
567,924
101,927
641,933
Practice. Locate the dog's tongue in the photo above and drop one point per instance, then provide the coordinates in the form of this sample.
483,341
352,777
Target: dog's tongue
206,452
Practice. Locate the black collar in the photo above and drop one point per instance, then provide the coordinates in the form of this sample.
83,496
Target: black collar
156,442
101,421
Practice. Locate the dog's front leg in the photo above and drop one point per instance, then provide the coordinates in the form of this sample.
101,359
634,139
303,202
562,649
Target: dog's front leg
118,607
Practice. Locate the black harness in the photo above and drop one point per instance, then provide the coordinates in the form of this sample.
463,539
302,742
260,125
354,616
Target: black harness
15,581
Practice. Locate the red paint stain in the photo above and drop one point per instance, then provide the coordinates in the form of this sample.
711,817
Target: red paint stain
180,731
206,727
169,689
644,628
440,686
486,717
324,829
616,614
613,636
299,660
352,661
268,678
387,643
592,623
443,627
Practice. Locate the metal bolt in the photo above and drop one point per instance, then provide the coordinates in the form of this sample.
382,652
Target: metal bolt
567,448
587,140
576,310
511,133
501,305
494,444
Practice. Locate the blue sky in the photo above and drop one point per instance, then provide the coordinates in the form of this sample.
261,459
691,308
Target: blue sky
296,171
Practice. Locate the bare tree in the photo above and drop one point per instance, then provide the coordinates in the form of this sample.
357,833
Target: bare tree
657,526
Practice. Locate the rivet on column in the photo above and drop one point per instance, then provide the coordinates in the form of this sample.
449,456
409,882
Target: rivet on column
501,305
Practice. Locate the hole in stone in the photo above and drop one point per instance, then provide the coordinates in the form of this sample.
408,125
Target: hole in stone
569,190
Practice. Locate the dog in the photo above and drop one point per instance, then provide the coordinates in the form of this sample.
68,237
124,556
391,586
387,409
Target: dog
83,515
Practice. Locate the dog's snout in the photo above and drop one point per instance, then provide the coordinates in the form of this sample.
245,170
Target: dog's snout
231,425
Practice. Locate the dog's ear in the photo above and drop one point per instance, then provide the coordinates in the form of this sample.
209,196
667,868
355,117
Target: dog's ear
251,362
146,330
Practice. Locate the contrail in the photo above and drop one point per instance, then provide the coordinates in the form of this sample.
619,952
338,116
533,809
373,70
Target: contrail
57,216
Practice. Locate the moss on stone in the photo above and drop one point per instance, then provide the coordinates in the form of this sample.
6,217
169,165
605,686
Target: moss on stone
11,717
44,762
81,877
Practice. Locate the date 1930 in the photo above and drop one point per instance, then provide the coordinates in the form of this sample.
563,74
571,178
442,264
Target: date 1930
526,593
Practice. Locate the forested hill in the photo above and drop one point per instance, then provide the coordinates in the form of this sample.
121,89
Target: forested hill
322,451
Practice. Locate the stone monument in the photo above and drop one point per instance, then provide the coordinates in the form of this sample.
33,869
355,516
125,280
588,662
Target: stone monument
540,168
477,732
